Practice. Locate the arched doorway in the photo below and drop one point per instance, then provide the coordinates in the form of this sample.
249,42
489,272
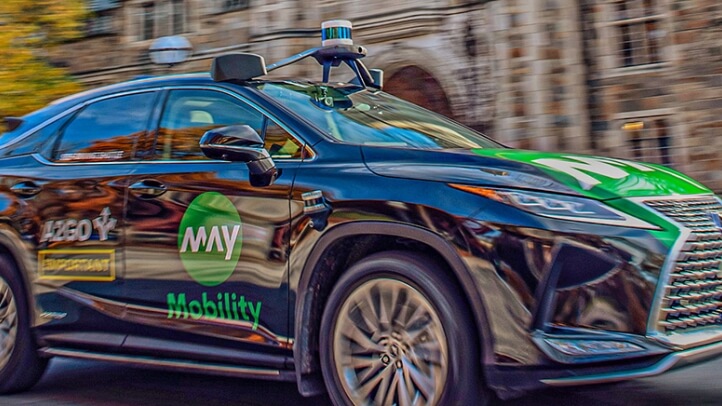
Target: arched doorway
418,86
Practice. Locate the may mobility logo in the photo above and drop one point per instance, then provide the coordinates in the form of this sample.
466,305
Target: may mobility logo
209,243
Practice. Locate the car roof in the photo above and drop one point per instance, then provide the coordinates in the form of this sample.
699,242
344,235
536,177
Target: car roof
136,84
186,79
56,107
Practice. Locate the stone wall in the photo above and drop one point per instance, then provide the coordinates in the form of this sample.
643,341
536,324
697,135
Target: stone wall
683,90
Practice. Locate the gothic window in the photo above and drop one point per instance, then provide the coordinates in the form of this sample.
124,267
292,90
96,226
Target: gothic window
639,31
101,20
161,18
178,17
147,21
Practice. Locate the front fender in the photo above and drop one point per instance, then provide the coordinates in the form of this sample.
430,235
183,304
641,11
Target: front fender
309,297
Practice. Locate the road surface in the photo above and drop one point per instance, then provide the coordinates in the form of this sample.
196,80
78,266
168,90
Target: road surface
85,383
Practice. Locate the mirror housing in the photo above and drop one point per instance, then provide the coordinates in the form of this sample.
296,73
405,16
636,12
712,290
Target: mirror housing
241,143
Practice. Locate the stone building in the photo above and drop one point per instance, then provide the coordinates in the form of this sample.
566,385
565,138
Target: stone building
637,79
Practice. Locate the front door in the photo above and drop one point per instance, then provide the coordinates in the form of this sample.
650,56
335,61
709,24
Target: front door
206,251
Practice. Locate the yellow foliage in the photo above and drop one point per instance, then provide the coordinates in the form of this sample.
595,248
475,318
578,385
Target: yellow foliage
28,28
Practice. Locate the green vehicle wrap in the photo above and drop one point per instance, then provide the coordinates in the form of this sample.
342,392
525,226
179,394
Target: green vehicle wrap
612,180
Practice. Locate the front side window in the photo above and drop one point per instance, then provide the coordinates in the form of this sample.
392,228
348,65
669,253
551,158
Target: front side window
188,114
106,130
280,144
353,115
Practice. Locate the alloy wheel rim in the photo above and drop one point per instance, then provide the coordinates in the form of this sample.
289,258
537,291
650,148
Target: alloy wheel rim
8,323
389,346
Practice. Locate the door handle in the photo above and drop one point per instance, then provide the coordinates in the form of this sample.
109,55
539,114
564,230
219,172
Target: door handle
148,188
26,189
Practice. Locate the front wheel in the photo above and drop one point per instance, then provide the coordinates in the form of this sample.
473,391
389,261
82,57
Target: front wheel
20,365
396,332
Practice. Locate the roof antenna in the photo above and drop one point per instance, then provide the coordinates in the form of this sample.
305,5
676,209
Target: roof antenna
336,48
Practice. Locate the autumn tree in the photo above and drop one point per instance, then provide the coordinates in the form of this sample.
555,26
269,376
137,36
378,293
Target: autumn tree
28,29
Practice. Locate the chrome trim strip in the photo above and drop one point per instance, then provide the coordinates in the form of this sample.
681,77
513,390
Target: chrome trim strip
189,366
41,159
672,360
642,199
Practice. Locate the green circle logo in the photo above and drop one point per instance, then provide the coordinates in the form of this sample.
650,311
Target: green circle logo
210,239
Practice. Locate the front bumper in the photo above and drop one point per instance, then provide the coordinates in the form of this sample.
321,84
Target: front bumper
671,361
652,299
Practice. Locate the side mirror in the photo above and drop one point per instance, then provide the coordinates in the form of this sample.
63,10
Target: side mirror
241,143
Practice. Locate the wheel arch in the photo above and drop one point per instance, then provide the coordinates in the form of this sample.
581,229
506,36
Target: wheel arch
12,248
319,276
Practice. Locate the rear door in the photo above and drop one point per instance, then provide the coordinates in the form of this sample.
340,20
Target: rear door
76,189
207,261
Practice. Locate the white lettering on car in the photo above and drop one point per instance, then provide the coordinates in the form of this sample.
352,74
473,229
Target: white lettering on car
200,239
581,167
69,230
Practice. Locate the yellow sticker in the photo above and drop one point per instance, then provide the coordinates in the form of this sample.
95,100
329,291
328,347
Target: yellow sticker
77,265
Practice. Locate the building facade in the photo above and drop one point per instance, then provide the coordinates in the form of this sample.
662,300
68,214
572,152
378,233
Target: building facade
635,79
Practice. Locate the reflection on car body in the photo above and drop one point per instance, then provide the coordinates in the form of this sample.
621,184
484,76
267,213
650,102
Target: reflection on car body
334,235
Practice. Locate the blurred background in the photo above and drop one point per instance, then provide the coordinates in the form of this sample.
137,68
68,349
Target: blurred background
635,79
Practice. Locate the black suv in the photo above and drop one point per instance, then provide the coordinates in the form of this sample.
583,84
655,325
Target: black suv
334,235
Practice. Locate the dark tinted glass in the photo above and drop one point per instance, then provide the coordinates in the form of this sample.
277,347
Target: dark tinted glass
188,114
106,130
353,115
280,144
40,141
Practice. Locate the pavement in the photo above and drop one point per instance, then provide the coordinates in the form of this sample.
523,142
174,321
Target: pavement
86,383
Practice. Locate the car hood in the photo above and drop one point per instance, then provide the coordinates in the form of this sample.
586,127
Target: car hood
583,175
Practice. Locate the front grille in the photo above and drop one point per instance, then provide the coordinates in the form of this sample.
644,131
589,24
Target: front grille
693,292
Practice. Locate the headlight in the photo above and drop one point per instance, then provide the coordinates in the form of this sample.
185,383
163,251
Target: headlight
560,206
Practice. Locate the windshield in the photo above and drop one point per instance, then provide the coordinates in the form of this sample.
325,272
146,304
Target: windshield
355,115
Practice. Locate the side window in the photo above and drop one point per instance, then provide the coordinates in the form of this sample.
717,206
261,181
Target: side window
104,131
280,144
188,114
40,141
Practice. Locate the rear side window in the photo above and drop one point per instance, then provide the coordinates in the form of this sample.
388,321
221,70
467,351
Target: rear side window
107,130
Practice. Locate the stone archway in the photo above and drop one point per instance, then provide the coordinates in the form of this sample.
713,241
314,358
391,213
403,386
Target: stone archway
420,87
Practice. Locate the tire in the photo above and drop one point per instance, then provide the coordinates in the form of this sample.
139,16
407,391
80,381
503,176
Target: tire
20,365
394,321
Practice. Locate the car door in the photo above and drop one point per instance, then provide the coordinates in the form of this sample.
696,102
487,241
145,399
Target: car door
76,190
206,251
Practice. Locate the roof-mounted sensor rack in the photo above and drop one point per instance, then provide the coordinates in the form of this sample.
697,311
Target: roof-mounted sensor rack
336,48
